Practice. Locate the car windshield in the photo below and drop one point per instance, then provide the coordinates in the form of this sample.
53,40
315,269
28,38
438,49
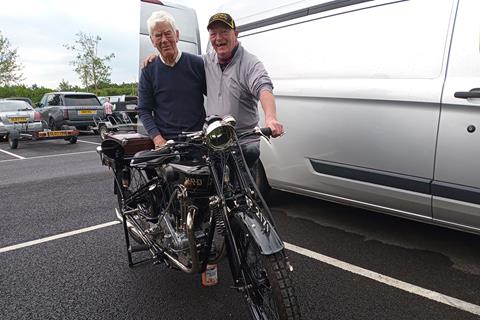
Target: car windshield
13,105
81,100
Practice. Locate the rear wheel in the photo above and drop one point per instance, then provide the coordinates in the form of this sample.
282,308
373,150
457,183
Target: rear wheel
127,183
269,291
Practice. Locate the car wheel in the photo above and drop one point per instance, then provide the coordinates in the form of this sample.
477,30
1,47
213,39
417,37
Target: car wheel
13,142
73,140
52,125
103,131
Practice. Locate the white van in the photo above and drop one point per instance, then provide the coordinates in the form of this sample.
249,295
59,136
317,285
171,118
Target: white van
380,100
185,18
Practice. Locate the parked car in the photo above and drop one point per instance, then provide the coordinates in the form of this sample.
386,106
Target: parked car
16,118
28,100
70,108
380,102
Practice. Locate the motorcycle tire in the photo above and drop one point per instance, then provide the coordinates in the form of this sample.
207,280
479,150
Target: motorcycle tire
270,293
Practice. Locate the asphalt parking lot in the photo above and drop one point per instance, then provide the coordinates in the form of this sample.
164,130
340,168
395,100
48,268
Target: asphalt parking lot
62,254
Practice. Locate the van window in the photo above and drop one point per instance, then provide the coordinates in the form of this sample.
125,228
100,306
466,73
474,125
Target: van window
386,41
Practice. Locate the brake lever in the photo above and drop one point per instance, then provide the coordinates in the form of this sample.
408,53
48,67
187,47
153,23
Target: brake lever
261,134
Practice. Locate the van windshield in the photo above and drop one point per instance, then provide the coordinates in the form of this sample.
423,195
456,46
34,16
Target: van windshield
81,100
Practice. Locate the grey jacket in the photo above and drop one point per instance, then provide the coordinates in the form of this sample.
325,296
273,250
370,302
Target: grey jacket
236,90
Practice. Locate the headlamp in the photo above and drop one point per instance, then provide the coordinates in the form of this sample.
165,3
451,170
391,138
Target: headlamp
220,135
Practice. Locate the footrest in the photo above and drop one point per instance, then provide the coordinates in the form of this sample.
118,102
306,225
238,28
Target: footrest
138,248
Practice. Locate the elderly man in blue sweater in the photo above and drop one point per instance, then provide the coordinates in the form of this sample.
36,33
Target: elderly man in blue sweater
171,88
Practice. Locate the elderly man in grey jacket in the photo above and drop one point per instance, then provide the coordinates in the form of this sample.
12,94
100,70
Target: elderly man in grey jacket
236,81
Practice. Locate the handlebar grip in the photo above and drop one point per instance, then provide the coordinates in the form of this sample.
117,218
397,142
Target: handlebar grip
266,131
182,137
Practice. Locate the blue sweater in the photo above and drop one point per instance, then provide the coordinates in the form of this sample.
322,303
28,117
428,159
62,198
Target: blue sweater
170,99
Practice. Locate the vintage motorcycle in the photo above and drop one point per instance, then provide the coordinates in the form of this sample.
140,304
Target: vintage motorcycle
193,202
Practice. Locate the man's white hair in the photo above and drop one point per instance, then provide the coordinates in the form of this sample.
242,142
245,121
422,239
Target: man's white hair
159,17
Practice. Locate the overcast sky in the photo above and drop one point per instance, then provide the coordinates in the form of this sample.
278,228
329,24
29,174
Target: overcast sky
40,28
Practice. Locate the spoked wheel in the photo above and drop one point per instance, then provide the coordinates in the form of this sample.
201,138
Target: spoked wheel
133,180
269,292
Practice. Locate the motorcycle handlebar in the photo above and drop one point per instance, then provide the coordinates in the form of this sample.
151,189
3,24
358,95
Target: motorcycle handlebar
266,131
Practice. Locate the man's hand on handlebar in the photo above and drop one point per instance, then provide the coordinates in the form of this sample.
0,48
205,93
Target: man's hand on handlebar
276,126
159,141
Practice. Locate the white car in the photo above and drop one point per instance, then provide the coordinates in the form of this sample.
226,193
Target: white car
16,118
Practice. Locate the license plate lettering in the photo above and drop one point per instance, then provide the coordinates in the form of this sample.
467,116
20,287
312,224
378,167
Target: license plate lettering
87,112
18,119
56,133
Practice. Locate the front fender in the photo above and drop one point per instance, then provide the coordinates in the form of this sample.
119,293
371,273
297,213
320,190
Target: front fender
264,234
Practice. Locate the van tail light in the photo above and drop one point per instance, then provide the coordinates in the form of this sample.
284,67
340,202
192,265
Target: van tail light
37,116
65,114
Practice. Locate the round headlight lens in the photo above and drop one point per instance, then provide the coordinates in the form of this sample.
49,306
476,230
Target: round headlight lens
220,135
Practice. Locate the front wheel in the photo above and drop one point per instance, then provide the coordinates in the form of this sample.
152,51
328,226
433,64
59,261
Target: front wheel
269,291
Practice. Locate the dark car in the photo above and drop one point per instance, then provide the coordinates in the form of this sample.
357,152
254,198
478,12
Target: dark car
76,109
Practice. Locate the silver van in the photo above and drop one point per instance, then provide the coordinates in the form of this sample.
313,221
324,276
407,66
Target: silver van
380,100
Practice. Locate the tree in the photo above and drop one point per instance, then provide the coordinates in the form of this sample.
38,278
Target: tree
10,69
91,68
64,85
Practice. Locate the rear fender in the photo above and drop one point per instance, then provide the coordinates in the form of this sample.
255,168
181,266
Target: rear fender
262,231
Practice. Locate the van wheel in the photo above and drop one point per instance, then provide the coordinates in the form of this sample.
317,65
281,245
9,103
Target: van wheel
262,181
12,142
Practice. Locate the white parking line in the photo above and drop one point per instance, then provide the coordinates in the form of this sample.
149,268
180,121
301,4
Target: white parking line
58,236
85,141
12,154
432,295
50,156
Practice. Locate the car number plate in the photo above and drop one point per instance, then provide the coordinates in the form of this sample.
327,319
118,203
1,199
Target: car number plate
131,106
87,112
18,119
56,133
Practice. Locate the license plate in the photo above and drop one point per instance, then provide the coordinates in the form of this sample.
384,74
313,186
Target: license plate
87,112
18,119
56,133
131,106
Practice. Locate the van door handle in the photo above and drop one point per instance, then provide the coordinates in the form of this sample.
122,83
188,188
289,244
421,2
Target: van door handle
467,94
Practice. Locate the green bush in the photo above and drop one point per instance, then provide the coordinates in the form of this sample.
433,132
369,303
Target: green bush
35,93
